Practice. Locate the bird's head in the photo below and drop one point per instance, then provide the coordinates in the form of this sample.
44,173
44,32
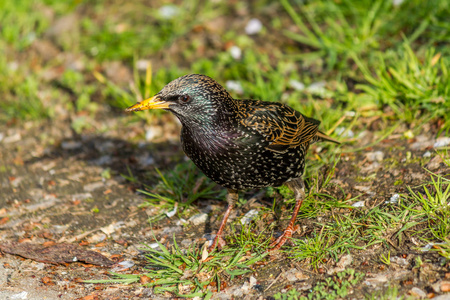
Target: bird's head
194,99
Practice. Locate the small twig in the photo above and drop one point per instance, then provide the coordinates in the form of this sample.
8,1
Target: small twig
275,280
392,244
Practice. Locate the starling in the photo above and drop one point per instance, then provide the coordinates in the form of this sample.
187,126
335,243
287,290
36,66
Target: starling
239,144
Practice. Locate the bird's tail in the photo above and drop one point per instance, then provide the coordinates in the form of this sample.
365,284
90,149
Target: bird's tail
322,136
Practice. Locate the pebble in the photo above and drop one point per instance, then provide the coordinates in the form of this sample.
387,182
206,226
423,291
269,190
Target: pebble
399,261
198,219
58,229
181,222
385,277
234,86
380,278
422,142
93,186
112,227
172,213
235,52
222,296
427,154
297,85
153,133
253,26
12,138
317,88
343,132
442,142
21,295
344,262
171,230
290,275
375,156
154,245
96,238
124,265
435,163
252,281
143,64
249,216
42,205
169,11
245,289
293,275
415,291
362,188
81,196
394,199
358,204
186,243
236,291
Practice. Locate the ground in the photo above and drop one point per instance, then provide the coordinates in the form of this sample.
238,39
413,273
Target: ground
75,169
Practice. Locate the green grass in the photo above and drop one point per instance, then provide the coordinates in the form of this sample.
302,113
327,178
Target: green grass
143,29
336,287
410,85
181,187
392,292
190,272
431,213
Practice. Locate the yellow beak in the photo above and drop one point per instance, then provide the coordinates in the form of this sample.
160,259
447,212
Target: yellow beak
151,103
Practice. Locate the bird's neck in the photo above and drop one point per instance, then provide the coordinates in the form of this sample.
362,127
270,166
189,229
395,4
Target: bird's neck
215,118
211,124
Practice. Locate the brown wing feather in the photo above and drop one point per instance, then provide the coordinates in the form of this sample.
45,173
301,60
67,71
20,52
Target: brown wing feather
281,125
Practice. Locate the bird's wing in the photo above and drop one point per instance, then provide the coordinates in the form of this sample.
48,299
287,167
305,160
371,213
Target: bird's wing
280,125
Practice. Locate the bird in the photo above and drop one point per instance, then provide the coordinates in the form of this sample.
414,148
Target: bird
239,144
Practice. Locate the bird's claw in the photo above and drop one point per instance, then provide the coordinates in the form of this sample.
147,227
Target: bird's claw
282,239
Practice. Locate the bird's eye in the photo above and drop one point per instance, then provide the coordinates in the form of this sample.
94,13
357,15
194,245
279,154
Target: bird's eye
185,98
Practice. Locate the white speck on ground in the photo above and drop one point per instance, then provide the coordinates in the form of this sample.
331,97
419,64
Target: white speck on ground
253,26
249,216
297,85
442,142
235,52
234,86
375,156
358,204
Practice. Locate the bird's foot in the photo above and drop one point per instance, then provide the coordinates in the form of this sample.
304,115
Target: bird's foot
282,239
218,242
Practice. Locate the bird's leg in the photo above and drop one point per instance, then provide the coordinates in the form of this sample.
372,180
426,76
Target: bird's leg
232,197
298,187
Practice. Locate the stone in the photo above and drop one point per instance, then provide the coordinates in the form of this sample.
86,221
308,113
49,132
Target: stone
198,219
416,292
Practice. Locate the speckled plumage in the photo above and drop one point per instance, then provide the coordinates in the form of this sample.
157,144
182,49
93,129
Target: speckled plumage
239,144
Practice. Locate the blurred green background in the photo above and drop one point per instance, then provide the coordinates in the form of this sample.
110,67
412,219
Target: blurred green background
368,58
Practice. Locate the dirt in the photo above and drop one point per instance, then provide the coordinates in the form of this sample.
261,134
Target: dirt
53,191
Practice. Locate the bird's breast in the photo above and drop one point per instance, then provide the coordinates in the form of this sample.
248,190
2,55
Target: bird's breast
239,160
